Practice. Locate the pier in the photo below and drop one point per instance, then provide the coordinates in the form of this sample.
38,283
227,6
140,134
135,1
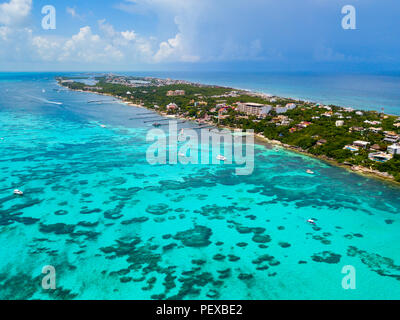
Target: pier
156,119
99,101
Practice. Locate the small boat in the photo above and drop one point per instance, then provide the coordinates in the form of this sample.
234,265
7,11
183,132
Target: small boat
156,124
311,221
310,172
43,91
103,126
221,158
18,192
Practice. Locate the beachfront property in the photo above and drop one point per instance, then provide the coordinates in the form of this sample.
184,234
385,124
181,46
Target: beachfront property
373,123
200,103
252,108
287,107
348,109
394,149
281,120
375,130
172,93
361,144
380,156
303,124
391,137
356,129
339,123
172,106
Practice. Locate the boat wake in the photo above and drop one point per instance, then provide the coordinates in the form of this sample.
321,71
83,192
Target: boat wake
44,100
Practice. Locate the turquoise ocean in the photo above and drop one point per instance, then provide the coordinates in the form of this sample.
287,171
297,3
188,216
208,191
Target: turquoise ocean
115,227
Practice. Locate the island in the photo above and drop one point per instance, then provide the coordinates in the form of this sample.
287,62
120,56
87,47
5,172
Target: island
363,141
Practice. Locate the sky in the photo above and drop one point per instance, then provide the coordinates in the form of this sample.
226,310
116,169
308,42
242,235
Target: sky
203,35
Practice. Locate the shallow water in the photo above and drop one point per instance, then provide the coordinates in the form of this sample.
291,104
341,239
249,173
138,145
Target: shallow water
115,227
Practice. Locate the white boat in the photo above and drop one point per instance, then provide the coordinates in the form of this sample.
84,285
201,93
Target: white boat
310,172
18,192
43,91
103,126
221,158
311,221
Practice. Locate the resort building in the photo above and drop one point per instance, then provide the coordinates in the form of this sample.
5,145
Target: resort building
375,130
394,149
391,137
362,144
356,129
172,106
200,103
303,124
380,156
339,123
257,109
397,125
172,93
374,123
291,106
281,120
280,109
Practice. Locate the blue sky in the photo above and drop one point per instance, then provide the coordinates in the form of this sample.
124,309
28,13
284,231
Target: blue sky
267,35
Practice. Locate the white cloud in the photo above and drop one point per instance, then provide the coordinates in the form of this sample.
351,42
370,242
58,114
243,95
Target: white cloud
129,35
73,13
14,12
174,50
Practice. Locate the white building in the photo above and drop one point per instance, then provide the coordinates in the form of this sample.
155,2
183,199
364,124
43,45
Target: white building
362,144
394,149
172,106
339,123
254,108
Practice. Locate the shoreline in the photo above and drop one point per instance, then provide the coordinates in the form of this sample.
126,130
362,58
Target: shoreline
360,170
